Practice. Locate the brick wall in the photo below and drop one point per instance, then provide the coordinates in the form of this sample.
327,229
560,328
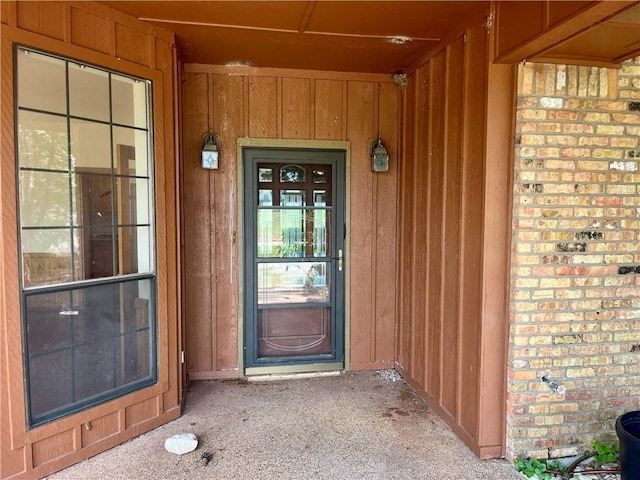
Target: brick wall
575,297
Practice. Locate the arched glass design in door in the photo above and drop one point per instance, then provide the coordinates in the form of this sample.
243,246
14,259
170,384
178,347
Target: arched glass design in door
294,261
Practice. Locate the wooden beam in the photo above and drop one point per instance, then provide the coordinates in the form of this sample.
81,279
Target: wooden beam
552,36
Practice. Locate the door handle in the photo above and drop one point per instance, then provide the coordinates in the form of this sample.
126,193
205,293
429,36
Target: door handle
340,260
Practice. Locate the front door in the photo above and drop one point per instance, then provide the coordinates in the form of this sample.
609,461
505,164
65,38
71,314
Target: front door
294,259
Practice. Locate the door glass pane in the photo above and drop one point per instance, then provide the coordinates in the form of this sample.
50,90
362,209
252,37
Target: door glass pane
293,282
292,198
319,198
88,92
292,233
321,245
293,174
42,141
319,176
265,175
281,233
43,83
91,145
265,198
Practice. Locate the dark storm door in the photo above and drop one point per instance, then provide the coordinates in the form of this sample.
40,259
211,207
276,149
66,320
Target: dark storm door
294,257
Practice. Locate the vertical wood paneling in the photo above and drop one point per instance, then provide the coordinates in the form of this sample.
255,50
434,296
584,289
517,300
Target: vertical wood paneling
385,254
198,290
164,61
90,31
133,45
4,12
436,216
405,224
495,268
211,209
360,121
451,231
454,323
227,113
296,105
329,115
420,203
475,80
263,119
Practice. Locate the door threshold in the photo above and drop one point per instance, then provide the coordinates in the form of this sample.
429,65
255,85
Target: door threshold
295,371
292,376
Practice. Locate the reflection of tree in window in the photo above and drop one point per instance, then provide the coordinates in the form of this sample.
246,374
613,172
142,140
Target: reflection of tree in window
265,175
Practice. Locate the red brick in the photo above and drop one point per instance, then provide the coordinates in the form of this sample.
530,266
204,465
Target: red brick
577,128
562,115
628,118
606,201
576,152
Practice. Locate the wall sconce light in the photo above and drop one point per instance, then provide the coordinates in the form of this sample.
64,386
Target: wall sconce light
210,152
379,156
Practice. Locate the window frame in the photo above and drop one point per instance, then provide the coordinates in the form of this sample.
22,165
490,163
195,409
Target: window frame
151,275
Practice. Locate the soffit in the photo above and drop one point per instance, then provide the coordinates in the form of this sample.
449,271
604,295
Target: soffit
354,36
610,42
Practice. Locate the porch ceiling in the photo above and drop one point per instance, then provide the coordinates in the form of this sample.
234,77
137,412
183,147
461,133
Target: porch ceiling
354,36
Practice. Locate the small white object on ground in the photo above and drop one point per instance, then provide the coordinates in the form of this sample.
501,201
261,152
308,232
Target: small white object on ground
390,374
181,444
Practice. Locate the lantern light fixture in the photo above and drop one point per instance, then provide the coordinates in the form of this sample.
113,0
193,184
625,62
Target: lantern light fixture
379,156
210,151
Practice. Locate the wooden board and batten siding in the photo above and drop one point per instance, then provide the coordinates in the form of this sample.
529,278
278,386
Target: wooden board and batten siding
454,235
96,35
288,105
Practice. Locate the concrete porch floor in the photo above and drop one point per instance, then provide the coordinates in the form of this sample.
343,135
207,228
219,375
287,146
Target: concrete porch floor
358,425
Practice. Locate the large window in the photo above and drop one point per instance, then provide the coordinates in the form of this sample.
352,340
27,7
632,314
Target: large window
86,233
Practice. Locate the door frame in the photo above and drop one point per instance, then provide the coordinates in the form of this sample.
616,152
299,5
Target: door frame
240,240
